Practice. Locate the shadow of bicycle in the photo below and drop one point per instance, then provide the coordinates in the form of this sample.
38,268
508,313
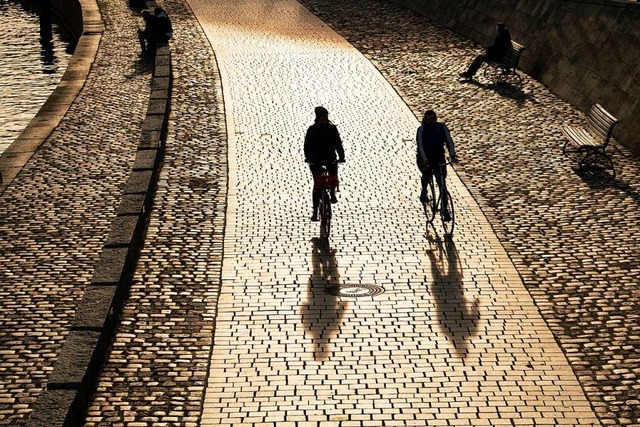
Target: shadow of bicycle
458,318
322,312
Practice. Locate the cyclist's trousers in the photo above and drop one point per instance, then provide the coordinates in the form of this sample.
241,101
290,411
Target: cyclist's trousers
317,170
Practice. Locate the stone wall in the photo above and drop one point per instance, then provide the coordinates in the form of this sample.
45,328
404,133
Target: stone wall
586,51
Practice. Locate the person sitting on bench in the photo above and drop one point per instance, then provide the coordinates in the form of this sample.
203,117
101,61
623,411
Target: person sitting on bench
495,52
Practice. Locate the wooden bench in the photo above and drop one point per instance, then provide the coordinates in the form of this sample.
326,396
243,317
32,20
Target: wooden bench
507,66
593,139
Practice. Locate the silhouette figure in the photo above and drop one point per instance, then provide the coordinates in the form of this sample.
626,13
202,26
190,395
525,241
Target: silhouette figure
322,146
494,52
322,312
457,317
46,38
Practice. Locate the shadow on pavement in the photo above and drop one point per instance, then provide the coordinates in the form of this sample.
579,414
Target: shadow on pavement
457,317
142,65
598,178
322,314
506,90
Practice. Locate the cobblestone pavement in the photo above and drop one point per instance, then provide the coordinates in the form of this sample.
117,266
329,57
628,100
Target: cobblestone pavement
455,339
157,369
56,214
573,237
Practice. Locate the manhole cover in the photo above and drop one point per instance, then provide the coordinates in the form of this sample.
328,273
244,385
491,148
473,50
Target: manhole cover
355,291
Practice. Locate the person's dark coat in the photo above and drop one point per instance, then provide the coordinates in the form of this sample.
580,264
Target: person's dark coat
500,45
322,144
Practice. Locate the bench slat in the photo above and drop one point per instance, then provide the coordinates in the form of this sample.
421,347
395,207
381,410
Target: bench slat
598,128
580,137
605,113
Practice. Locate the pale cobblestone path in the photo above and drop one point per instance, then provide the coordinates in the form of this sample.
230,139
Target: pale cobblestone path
574,238
56,214
157,368
455,339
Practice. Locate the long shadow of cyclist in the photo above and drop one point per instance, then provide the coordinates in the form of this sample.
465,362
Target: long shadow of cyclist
457,317
322,313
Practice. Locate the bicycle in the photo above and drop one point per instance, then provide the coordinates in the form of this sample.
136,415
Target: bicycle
433,204
324,183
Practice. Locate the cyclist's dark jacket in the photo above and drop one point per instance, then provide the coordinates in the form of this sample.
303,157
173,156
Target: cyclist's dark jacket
321,144
431,143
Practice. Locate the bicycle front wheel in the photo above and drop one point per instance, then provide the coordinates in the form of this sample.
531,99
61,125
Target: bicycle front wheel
430,204
450,224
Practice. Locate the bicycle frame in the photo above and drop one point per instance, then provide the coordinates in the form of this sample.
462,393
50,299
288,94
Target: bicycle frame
324,183
436,204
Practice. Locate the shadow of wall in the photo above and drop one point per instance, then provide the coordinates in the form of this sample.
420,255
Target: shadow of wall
585,51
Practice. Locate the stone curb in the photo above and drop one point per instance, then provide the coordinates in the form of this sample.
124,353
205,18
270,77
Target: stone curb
77,369
53,110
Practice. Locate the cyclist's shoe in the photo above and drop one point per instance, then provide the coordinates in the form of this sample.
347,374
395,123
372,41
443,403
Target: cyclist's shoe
314,217
423,198
446,216
334,199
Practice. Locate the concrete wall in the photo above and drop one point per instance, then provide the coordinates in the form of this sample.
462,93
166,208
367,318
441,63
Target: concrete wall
586,51
71,12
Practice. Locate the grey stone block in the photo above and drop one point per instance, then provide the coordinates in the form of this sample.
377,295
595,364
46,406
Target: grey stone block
93,310
161,83
160,93
73,360
162,61
162,71
112,266
139,182
132,204
153,123
146,159
125,231
150,139
51,408
157,106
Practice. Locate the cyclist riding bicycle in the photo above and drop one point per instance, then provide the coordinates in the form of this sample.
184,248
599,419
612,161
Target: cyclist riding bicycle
321,144
431,138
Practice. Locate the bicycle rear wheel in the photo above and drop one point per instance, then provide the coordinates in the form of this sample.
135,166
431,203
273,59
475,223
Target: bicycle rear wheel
325,218
430,205
448,225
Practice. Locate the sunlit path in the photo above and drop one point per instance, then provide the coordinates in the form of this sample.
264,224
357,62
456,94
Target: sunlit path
455,339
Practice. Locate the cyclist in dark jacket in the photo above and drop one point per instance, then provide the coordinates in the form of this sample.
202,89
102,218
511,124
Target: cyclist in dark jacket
322,146
494,52
431,138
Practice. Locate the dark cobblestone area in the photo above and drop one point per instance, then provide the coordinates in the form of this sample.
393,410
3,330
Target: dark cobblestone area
573,236
56,214
157,370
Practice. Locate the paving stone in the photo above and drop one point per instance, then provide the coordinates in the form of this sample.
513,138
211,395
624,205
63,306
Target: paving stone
57,212
450,309
571,254
157,369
